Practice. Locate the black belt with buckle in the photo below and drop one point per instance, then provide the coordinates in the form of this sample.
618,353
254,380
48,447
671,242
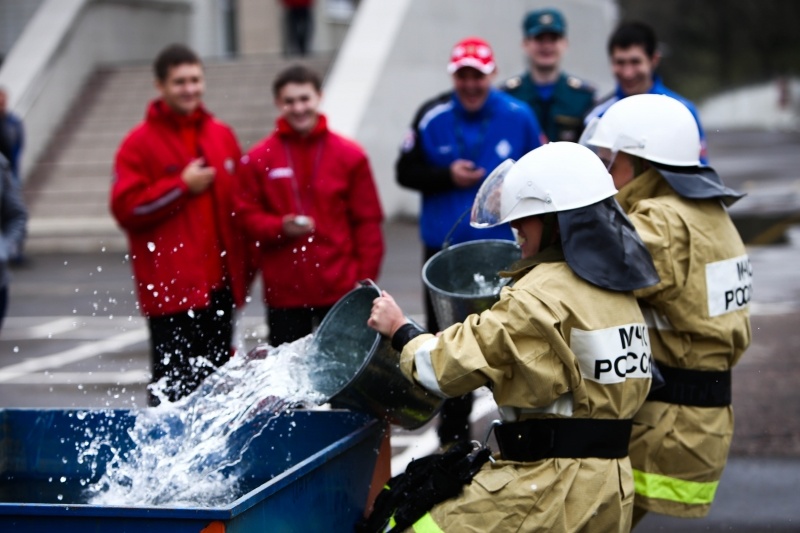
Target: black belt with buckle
546,438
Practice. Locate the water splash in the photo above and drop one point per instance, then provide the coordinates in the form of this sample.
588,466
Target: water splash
484,287
186,453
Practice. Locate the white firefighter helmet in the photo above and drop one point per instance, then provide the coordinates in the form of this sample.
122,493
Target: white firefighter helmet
663,131
654,127
599,242
555,177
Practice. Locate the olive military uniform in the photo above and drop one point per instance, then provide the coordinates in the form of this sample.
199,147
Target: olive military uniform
561,116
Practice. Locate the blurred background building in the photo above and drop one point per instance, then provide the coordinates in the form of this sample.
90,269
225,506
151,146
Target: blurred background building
78,73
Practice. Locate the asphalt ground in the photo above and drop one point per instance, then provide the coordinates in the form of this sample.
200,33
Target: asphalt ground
73,338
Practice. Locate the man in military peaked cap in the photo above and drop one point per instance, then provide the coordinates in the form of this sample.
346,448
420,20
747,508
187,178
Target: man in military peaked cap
559,100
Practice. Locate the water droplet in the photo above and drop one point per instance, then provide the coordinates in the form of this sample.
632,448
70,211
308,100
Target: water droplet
151,246
16,349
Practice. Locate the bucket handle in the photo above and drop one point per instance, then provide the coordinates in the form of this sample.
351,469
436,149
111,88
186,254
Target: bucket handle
446,243
369,283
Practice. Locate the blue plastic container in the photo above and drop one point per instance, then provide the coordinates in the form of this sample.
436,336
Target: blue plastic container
308,471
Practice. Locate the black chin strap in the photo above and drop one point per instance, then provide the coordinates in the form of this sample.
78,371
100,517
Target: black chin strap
639,166
549,230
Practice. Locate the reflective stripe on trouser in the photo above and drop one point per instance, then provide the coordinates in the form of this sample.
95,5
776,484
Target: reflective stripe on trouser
426,524
673,489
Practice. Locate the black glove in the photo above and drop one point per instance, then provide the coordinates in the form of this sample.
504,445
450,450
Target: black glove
426,482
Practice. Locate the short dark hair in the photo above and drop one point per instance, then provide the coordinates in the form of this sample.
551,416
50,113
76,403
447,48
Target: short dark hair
172,56
630,34
296,74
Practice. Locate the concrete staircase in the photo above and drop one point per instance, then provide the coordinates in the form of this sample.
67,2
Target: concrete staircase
67,191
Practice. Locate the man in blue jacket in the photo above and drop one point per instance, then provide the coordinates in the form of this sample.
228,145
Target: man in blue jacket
634,60
455,139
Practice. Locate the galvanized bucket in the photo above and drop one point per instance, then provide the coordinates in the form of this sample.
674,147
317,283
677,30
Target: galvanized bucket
463,279
367,370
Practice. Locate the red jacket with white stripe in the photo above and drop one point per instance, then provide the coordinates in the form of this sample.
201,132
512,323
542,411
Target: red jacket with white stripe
168,227
324,176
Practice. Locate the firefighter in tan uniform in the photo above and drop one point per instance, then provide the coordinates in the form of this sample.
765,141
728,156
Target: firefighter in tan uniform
697,315
565,352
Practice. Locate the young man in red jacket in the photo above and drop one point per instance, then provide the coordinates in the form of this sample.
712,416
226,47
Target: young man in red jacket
175,177
311,204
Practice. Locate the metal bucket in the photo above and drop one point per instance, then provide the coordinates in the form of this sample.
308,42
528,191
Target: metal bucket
450,277
367,369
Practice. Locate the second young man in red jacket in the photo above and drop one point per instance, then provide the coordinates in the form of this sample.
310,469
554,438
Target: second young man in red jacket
311,204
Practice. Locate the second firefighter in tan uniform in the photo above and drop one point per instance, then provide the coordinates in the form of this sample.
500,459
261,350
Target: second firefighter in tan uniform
565,352
698,312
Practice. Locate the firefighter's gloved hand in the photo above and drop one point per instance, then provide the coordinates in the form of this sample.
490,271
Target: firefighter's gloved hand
444,478
426,482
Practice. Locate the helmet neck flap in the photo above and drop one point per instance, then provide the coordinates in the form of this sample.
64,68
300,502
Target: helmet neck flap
698,183
602,247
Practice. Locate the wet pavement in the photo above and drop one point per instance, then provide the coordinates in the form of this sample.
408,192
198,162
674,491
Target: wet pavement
74,338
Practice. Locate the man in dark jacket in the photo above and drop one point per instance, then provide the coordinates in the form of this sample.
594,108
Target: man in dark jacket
311,204
173,194
560,100
13,221
12,141
12,136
